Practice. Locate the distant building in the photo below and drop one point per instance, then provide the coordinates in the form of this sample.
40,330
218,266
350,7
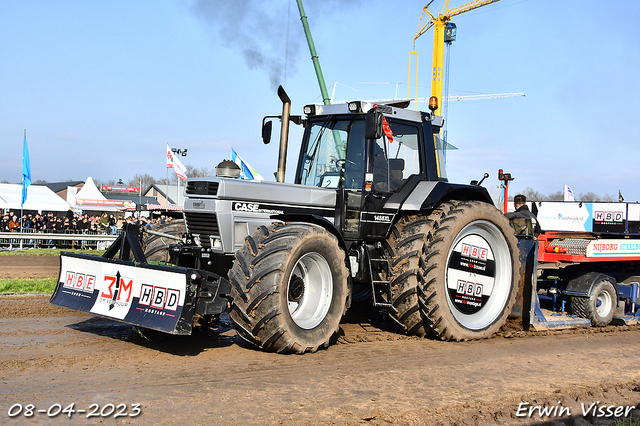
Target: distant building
60,188
166,194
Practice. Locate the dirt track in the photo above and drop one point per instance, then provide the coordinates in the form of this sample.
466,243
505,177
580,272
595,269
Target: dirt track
371,375
29,266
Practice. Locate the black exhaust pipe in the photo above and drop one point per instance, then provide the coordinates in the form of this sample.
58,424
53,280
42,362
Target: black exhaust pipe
284,134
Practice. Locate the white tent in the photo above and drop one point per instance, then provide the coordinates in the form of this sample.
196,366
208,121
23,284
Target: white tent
39,198
89,192
90,198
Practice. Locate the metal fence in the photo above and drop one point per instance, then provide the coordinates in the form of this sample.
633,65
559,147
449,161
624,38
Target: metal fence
29,238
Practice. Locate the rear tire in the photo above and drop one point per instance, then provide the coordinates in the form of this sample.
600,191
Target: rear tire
405,249
600,307
289,288
472,272
156,248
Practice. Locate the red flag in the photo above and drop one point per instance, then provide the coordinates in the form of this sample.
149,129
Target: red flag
385,127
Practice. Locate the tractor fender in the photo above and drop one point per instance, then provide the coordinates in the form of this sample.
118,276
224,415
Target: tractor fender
316,220
583,285
427,195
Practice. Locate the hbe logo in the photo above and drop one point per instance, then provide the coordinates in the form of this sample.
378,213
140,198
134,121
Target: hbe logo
159,297
475,252
79,281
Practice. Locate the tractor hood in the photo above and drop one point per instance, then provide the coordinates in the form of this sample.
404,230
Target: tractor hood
250,190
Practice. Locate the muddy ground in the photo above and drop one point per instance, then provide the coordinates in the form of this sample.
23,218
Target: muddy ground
371,375
29,266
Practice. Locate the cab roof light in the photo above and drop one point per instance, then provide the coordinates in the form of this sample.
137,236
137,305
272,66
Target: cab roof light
309,110
433,103
355,106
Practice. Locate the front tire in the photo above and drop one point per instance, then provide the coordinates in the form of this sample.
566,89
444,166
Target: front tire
472,272
156,248
289,288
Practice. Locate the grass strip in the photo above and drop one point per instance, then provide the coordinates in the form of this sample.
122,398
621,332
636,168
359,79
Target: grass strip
46,252
28,285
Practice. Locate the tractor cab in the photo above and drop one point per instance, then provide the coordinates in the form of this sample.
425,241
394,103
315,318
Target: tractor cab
336,152
372,155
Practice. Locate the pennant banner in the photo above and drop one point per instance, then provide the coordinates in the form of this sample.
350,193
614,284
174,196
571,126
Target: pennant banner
247,172
568,194
26,169
176,165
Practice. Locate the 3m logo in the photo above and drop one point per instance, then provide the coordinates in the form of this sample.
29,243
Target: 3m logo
159,297
469,289
475,252
78,281
117,288
608,216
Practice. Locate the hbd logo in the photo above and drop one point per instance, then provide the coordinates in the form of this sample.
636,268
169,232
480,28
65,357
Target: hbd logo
78,281
474,252
608,216
159,297
469,289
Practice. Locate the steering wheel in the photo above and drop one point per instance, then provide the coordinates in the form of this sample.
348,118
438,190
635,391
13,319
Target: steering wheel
343,162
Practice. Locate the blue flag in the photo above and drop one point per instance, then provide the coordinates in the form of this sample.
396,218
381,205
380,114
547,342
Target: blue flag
26,170
247,172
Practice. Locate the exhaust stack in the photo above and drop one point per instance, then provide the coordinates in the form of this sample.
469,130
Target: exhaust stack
284,134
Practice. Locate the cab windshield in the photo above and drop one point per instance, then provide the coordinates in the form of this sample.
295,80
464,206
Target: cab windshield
335,155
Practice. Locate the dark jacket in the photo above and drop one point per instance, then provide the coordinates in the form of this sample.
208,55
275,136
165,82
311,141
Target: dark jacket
523,212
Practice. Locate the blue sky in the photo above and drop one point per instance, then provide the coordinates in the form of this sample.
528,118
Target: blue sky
103,86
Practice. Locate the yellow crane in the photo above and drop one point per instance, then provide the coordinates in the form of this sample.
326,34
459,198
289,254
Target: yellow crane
443,33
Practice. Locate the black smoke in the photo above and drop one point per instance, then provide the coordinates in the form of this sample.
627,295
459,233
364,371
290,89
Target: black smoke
267,32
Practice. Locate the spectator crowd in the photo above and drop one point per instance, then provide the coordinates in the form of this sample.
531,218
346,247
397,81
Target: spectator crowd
72,223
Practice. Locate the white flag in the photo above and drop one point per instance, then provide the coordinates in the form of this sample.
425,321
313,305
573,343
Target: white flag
176,165
568,194
169,158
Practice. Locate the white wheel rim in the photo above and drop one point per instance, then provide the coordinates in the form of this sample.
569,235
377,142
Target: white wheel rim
603,304
309,290
489,289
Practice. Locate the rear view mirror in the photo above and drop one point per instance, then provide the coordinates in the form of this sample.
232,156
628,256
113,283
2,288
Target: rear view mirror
266,132
373,124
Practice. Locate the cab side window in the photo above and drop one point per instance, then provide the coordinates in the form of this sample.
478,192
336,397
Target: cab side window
395,160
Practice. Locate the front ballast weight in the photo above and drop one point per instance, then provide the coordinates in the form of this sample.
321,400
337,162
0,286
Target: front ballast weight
127,289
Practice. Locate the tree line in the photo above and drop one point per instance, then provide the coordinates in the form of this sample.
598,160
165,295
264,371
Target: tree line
144,180
587,197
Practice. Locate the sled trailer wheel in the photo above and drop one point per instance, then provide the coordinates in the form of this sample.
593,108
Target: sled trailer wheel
600,306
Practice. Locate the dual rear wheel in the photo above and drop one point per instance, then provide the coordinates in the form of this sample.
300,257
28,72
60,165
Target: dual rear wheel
456,271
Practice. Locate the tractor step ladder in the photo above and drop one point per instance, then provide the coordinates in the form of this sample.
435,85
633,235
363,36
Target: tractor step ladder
379,271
